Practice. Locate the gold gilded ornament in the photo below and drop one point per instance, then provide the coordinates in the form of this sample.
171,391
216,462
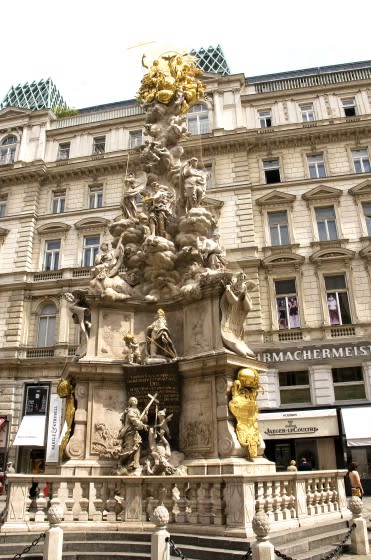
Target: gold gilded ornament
172,76
243,406
65,391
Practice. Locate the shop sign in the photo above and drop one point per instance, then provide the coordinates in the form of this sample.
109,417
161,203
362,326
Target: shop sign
298,425
315,353
54,428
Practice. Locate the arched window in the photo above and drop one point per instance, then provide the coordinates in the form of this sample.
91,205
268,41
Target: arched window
198,119
47,317
7,149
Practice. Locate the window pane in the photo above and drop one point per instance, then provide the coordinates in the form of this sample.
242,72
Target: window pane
325,213
275,240
294,320
344,308
277,218
285,287
348,392
333,309
332,231
284,231
335,282
50,331
42,331
347,375
282,313
290,396
322,231
289,378
93,240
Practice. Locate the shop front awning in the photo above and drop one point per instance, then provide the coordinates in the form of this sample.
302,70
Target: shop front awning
357,425
31,432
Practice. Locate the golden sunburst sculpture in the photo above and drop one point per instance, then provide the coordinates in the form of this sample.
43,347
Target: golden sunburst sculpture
171,76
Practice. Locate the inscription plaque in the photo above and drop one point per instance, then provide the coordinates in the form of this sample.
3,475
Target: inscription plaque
162,379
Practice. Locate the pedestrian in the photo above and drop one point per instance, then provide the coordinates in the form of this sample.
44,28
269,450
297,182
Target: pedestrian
355,480
9,470
292,466
304,465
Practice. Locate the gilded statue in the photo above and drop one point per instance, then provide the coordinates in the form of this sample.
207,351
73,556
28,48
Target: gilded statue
170,76
65,391
244,407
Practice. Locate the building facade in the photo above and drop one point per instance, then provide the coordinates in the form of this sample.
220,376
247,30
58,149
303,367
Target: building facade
288,157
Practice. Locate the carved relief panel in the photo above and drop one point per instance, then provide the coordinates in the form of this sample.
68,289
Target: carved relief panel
113,324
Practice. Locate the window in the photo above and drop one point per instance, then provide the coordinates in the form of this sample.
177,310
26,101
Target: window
272,171
265,118
99,145
278,228
361,161
287,304
46,334
90,250
294,387
326,223
58,201
96,197
135,138
337,300
64,150
52,252
209,178
367,213
7,149
198,119
316,166
3,203
348,383
36,399
349,106
307,112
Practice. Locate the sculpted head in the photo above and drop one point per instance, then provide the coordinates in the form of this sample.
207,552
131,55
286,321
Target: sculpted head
133,401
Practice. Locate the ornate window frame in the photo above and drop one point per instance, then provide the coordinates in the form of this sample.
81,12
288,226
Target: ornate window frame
362,193
334,261
276,201
319,197
285,266
89,227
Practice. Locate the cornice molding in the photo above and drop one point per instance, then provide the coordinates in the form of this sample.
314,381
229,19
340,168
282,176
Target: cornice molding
276,198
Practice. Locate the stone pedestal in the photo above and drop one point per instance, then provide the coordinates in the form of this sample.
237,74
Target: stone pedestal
196,388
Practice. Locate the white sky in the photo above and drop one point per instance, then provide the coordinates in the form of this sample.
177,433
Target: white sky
83,44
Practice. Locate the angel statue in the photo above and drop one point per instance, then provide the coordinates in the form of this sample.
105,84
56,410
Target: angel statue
134,185
79,306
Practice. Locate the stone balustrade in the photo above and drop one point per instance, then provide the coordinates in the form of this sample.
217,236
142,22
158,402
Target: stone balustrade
225,503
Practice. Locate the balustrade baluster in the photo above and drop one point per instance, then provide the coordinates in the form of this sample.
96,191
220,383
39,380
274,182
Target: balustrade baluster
27,513
259,498
310,496
98,502
41,505
218,504
84,502
268,499
110,501
277,501
316,495
285,499
69,501
192,514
